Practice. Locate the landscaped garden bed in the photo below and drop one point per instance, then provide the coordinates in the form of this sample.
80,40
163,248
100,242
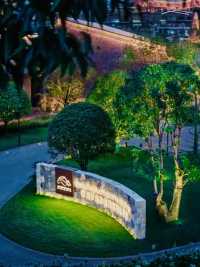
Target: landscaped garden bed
59,226
62,227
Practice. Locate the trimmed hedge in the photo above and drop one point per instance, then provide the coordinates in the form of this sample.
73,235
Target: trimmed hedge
28,124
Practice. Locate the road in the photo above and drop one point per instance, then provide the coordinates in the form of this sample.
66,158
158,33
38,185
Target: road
16,167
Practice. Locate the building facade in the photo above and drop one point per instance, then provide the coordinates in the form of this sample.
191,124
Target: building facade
154,5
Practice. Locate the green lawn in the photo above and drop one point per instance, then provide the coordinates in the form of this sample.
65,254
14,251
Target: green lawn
58,226
120,168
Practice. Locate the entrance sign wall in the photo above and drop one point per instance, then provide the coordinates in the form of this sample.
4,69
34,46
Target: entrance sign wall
111,197
64,182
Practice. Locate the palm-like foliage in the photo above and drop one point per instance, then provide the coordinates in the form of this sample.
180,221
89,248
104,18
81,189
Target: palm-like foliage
32,42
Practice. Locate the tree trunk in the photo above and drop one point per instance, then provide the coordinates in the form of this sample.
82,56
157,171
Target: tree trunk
160,171
167,144
195,145
155,186
37,90
150,148
161,205
27,85
173,214
66,100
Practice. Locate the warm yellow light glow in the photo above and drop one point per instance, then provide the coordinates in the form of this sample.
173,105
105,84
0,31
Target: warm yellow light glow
104,197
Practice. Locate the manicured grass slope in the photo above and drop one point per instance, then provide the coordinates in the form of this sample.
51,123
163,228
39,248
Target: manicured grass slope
59,226
160,234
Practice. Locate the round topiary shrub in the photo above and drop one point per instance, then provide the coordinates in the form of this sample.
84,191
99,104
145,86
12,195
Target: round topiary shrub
82,130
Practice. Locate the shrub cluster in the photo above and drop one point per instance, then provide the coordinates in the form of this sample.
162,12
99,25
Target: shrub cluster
14,104
168,260
29,124
82,130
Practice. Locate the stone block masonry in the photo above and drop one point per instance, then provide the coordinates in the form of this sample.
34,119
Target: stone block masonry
104,194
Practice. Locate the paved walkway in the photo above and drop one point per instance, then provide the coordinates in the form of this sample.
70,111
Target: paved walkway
187,136
16,166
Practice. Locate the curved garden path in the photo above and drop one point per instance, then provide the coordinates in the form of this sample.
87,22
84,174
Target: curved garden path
16,165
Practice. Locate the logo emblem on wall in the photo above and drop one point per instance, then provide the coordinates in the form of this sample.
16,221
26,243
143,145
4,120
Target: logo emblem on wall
64,182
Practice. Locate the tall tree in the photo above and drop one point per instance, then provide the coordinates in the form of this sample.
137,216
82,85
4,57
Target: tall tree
156,100
188,53
34,43
104,95
14,105
83,130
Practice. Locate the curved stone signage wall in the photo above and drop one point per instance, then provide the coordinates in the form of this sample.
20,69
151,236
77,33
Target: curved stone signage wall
127,207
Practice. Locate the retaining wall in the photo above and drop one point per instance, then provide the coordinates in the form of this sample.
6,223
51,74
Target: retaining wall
109,43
